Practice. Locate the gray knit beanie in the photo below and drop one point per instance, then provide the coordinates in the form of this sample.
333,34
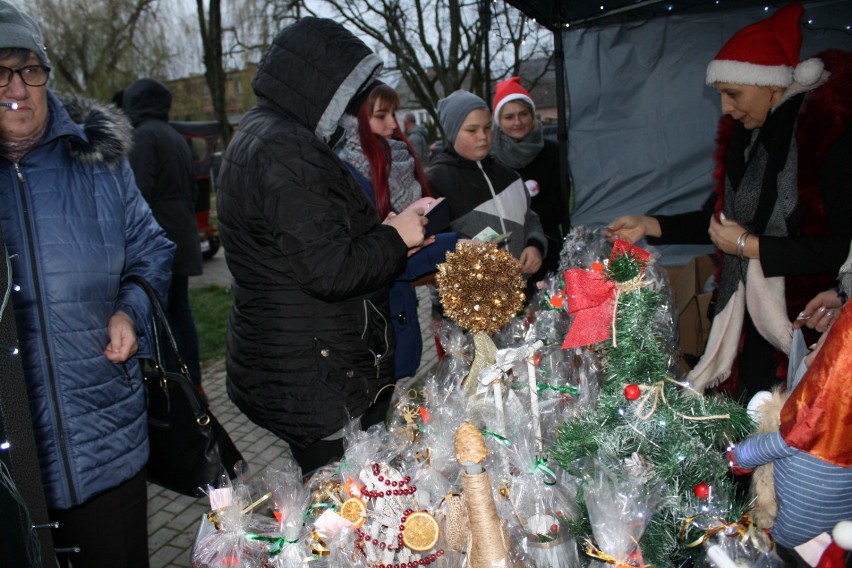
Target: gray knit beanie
17,30
454,109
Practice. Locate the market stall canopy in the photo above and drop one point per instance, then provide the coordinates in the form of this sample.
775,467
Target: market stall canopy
637,120
556,14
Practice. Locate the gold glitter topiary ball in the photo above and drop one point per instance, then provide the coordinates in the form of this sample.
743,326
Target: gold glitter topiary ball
480,286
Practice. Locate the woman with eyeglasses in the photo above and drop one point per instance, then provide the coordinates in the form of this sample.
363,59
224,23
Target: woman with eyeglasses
75,225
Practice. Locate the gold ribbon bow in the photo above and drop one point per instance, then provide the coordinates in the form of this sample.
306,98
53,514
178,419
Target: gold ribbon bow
742,528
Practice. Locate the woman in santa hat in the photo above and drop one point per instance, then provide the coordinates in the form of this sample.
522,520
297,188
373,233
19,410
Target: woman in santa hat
519,143
781,210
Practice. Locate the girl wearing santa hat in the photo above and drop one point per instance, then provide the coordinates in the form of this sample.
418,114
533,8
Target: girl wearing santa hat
520,144
781,209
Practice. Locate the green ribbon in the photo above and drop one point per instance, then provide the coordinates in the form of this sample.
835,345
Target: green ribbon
276,542
540,465
570,390
497,437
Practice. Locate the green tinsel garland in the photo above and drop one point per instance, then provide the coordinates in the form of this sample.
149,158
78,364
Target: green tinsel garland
660,426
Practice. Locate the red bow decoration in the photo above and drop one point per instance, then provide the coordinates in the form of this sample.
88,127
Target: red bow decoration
590,300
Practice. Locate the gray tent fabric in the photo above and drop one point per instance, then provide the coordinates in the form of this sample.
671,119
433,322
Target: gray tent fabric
642,121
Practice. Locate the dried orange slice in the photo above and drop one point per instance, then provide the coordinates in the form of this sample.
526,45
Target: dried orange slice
420,531
355,511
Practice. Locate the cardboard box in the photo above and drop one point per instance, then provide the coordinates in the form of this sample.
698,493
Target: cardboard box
692,298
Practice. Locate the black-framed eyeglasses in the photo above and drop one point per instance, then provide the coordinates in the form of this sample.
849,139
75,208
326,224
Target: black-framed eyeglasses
32,75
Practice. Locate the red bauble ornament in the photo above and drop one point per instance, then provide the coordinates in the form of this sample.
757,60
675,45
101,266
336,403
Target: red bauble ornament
632,392
702,491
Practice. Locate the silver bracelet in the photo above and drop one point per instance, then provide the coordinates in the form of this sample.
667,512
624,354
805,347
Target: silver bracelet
741,243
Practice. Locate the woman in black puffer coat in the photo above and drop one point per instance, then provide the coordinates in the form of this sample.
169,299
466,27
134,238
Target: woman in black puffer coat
310,343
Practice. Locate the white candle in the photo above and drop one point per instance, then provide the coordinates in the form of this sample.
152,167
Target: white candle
718,556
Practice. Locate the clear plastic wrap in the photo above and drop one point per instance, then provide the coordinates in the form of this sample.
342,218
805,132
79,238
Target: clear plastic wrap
733,550
620,502
727,544
223,538
541,506
290,499
582,248
444,411
458,353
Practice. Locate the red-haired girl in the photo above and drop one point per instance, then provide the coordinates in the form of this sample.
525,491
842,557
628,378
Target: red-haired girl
380,156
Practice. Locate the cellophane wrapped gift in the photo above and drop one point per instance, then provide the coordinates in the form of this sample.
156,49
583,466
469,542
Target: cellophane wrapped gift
222,540
290,498
619,501
727,543
542,501
399,525
731,548
458,353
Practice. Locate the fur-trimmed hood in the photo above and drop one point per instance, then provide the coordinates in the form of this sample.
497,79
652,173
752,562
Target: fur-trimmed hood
107,135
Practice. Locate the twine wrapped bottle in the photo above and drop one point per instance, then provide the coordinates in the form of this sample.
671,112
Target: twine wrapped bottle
488,546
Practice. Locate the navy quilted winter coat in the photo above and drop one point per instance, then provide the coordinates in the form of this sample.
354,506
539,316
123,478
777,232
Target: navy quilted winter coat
75,224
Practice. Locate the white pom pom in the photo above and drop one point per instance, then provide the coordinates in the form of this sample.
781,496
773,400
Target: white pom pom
808,72
757,401
842,535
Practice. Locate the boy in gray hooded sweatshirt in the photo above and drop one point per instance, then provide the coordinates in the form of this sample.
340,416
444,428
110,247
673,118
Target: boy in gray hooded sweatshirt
488,201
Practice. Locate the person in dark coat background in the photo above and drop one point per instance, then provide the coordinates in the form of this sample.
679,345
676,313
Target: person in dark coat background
418,136
162,164
310,341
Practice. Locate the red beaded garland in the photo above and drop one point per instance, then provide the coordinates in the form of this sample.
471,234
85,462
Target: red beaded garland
400,485
412,563
401,490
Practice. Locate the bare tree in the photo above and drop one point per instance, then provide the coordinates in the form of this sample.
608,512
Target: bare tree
96,47
437,46
254,25
210,26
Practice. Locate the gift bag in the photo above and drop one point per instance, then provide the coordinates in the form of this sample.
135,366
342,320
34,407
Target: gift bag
189,447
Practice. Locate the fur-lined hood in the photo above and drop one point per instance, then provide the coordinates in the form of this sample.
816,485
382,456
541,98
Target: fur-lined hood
107,135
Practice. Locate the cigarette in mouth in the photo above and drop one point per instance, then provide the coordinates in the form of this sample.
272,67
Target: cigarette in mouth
13,106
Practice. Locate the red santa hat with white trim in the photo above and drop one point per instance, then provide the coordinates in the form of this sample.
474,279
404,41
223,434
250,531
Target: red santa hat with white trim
766,54
510,90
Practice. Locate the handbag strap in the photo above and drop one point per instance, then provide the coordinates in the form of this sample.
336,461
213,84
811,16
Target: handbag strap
159,320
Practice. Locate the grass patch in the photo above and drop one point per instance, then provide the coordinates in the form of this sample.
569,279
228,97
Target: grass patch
211,306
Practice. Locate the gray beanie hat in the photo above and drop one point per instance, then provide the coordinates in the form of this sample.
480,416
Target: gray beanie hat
17,30
454,109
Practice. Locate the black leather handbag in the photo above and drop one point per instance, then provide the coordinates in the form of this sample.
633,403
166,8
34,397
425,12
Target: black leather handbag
189,448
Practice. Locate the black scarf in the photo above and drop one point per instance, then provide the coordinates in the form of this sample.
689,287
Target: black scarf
752,203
